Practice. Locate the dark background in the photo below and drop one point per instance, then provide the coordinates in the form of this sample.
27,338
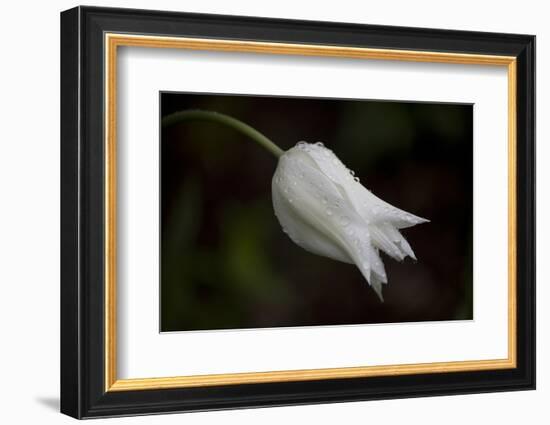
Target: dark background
225,261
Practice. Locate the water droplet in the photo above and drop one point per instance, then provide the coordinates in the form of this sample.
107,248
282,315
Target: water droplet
344,220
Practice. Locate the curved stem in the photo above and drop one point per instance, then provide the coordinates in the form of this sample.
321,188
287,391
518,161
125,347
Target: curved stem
197,114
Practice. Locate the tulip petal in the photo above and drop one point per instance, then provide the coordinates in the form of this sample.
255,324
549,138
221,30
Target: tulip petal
373,209
303,200
307,203
302,232
326,211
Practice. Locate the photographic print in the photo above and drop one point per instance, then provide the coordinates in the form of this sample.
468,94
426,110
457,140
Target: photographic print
292,211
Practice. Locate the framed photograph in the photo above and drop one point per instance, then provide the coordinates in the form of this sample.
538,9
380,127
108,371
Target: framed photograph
261,212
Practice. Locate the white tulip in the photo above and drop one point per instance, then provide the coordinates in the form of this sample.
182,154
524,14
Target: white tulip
322,207
325,210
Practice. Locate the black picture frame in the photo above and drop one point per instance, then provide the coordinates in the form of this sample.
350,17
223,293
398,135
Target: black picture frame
83,392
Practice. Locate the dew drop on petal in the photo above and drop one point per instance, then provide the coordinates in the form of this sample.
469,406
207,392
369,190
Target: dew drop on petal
344,220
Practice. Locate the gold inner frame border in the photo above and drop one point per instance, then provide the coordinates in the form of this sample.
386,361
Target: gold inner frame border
111,43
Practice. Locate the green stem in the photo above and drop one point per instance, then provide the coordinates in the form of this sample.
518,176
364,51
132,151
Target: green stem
196,114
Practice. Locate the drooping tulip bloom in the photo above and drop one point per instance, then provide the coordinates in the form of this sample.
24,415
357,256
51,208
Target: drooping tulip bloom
325,210
322,206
